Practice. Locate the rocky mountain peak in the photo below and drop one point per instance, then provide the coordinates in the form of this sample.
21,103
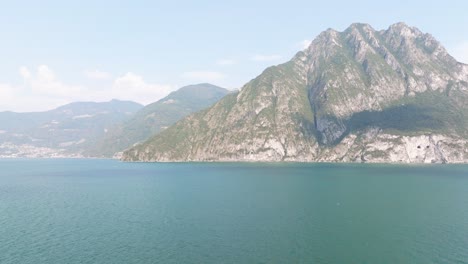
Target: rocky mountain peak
415,46
403,30
347,88
329,37
360,26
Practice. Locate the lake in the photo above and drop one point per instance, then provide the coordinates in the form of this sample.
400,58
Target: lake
105,211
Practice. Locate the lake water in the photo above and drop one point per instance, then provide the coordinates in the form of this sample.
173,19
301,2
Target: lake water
104,211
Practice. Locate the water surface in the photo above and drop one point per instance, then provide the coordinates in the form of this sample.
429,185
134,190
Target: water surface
104,211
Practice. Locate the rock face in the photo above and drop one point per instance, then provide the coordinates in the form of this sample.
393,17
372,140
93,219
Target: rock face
360,95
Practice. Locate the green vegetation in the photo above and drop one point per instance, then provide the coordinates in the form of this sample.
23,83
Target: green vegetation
73,127
352,82
157,116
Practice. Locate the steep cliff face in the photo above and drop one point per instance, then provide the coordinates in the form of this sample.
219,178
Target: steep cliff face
360,95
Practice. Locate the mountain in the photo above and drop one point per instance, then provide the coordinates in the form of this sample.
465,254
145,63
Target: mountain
65,131
158,116
360,95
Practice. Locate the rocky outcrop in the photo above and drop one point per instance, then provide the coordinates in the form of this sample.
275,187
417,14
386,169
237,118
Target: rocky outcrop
387,148
360,95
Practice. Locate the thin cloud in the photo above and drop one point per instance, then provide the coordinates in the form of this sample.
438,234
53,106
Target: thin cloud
44,81
24,72
41,89
260,57
131,86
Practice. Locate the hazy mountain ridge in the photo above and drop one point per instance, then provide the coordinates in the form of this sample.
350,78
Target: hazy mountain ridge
157,116
65,131
362,95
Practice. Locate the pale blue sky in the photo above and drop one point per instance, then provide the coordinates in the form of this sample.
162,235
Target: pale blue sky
54,52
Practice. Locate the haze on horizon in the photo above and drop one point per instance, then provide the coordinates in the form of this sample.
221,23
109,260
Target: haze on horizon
55,53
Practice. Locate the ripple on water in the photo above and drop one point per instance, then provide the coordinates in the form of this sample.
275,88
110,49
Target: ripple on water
97,211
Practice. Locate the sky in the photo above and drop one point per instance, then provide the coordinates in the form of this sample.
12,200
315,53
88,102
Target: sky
57,52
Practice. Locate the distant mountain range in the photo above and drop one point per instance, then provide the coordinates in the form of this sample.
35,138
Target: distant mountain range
66,131
88,129
361,95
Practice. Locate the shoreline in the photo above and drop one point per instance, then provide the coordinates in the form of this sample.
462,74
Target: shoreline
235,162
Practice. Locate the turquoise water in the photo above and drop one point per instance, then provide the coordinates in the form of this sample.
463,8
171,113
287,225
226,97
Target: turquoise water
104,211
